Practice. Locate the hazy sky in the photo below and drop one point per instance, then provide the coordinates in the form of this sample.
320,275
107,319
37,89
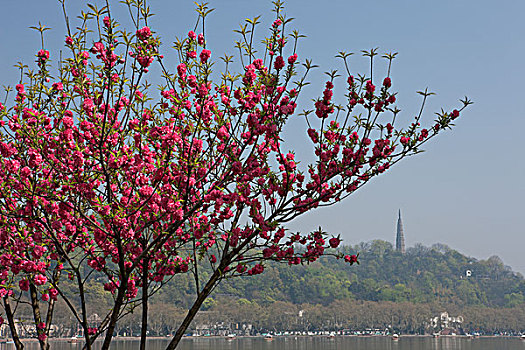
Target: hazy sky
467,190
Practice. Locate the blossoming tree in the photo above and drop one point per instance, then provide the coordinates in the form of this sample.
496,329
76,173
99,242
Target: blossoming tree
104,177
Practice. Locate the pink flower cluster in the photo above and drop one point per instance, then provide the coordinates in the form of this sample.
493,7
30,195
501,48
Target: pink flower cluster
43,56
352,259
106,54
145,49
324,107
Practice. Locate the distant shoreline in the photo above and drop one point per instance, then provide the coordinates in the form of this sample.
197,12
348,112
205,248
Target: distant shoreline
29,340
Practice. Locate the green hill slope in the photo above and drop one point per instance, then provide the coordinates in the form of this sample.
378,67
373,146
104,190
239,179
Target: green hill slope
422,275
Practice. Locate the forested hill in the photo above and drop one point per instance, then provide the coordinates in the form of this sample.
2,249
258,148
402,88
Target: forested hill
422,275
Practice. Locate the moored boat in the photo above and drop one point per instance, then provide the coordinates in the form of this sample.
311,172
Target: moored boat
74,339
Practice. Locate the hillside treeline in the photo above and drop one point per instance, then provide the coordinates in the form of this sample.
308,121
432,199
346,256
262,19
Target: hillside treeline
422,275
387,289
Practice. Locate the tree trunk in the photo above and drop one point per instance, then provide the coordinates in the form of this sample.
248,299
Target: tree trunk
144,327
51,306
84,324
194,309
12,326
119,301
37,317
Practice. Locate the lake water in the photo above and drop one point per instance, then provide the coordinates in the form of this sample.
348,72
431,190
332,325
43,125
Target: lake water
310,343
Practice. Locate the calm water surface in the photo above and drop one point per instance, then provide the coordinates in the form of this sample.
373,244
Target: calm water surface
310,343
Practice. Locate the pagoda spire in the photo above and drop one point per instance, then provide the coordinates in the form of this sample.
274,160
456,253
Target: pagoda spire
400,236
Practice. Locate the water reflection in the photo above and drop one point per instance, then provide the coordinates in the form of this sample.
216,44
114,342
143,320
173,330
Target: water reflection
306,343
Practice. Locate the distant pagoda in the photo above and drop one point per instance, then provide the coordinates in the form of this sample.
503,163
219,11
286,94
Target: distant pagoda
400,237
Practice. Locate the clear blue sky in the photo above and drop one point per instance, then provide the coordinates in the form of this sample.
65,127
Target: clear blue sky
467,190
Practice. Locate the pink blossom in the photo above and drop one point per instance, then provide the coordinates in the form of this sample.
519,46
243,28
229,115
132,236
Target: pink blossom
249,76
40,279
351,259
146,191
258,63
110,286
24,285
181,70
34,158
391,99
192,81
334,242
25,172
38,251
205,55
98,48
88,106
67,121
107,22
370,88
222,133
53,293
192,35
279,63
144,33
57,86
20,88
43,55
256,270
145,61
